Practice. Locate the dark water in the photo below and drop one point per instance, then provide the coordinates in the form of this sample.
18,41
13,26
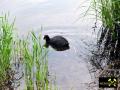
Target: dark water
69,69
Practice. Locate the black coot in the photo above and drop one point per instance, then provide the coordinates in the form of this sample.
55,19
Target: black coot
59,43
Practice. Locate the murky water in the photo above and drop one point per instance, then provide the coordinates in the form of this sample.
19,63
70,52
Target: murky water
68,69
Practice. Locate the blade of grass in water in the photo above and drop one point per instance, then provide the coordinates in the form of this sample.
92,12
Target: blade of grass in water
6,40
36,64
34,57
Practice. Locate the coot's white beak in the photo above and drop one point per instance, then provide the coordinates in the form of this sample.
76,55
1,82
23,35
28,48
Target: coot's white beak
44,38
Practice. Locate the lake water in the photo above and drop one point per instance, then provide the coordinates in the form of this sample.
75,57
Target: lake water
69,69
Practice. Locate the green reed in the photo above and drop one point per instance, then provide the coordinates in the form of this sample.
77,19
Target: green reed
108,11
36,64
6,41
29,52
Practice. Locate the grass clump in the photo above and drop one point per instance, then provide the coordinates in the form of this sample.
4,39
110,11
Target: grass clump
108,11
35,62
106,58
6,41
29,52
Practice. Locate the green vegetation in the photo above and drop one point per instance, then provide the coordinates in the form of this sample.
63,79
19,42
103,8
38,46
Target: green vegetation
6,41
108,11
29,52
35,64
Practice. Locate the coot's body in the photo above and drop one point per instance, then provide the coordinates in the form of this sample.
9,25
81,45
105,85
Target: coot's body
58,42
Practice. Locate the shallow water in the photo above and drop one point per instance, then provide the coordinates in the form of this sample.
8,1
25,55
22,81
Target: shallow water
68,69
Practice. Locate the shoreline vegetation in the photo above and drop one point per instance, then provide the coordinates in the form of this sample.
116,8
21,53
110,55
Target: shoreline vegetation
28,54
106,58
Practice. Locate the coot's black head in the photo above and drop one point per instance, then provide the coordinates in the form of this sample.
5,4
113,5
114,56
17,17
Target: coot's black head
47,38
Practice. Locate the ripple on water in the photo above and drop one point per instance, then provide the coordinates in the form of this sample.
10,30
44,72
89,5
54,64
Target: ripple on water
69,66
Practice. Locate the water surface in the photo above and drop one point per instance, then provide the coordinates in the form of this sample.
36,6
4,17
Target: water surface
68,69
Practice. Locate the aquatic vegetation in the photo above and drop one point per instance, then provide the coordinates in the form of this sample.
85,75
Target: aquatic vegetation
6,41
106,57
35,64
108,11
27,53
